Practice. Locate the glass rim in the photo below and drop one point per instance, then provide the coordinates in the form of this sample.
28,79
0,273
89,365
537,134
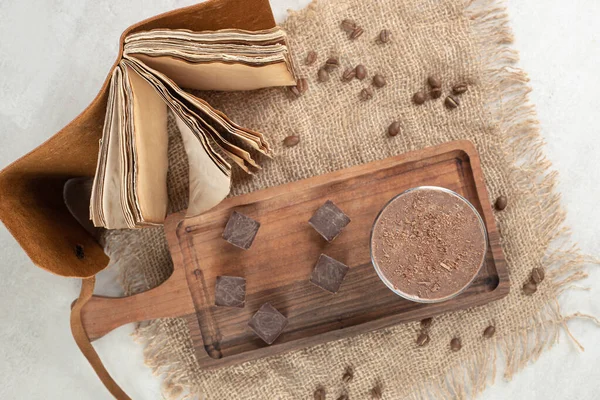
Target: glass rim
405,295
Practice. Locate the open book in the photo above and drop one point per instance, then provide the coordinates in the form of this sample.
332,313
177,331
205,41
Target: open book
130,187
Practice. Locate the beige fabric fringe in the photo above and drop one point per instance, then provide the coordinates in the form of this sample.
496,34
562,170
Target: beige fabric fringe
457,41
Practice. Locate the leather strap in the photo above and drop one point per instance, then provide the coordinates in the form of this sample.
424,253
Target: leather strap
82,340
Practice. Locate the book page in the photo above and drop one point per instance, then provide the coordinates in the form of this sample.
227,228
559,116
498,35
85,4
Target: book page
112,205
220,76
151,146
208,185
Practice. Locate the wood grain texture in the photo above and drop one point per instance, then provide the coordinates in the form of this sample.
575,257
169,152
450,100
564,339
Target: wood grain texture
278,266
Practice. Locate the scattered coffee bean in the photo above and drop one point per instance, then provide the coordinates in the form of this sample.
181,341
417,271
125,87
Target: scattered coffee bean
529,288
348,74
366,94
356,33
501,203
384,36
436,93
302,85
343,397
394,128
455,344
331,64
319,394
379,81
311,57
348,375
294,91
361,72
489,331
422,339
376,392
291,141
451,102
434,82
348,25
419,98
323,75
537,275
460,88
426,323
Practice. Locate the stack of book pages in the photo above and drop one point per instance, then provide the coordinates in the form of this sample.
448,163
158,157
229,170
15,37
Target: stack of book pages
130,185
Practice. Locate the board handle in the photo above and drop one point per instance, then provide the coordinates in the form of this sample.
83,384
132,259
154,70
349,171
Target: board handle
101,314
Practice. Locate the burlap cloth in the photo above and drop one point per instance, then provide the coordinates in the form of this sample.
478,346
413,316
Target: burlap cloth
457,41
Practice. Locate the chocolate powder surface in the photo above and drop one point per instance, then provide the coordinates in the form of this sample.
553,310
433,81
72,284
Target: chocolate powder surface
428,243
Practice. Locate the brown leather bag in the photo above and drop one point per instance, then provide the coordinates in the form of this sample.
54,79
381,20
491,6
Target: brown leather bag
31,201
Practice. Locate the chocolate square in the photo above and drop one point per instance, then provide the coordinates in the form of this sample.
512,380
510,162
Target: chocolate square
328,273
241,230
329,220
230,291
268,323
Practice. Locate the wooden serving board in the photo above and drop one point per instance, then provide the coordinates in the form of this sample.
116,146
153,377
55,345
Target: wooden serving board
278,265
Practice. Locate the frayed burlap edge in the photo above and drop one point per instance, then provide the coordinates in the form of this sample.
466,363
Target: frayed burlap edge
531,177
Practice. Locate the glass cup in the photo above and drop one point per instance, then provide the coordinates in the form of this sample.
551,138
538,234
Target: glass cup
408,296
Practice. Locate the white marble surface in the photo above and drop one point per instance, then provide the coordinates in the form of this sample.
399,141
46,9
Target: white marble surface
54,56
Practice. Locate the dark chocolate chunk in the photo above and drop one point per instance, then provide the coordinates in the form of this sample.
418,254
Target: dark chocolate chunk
241,230
230,291
268,323
328,273
329,221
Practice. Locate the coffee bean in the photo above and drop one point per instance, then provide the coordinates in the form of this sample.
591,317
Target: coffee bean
434,82
489,331
323,75
460,88
348,375
291,141
361,72
348,74
455,344
356,33
376,392
426,323
529,288
422,339
311,57
419,98
348,25
331,64
343,397
436,93
366,94
452,102
384,36
302,85
379,81
294,91
320,394
537,275
501,203
394,128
